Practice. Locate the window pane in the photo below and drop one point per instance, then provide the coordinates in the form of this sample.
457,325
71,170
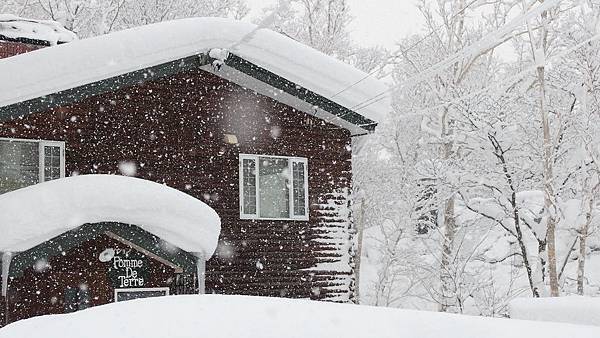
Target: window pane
84,298
19,165
71,299
249,188
299,189
55,173
51,163
55,161
274,188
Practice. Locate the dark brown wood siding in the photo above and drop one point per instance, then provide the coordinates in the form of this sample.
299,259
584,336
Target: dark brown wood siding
40,290
9,48
2,311
173,129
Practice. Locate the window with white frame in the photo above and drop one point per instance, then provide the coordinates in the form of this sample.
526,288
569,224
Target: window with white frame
273,187
27,162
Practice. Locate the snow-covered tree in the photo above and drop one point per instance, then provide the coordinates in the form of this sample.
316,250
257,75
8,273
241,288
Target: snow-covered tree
322,24
474,136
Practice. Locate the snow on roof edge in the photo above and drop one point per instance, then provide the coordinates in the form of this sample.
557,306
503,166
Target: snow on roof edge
15,27
67,66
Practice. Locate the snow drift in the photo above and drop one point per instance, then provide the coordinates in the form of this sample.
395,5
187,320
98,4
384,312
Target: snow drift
35,214
219,316
574,309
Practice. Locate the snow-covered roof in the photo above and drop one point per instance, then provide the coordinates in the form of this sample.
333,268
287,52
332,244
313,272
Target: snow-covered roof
35,214
14,27
81,62
220,316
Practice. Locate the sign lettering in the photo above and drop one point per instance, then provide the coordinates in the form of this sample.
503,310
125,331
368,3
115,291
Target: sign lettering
128,269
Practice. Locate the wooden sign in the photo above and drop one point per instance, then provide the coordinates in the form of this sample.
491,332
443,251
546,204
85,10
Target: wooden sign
127,268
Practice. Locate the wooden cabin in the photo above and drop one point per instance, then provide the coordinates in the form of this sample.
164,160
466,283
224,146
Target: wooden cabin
254,124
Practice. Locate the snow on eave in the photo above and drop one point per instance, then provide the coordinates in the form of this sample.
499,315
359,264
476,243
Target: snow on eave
35,214
51,70
52,32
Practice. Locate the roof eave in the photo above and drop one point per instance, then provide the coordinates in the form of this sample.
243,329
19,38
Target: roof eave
348,119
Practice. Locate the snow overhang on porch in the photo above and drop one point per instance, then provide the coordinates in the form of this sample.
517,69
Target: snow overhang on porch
326,87
35,214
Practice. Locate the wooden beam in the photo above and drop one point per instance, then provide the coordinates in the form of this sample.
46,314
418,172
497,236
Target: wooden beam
116,237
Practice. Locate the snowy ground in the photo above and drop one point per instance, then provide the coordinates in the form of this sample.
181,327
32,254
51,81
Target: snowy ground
219,316
574,309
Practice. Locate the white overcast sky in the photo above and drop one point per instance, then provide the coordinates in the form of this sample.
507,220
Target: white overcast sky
376,22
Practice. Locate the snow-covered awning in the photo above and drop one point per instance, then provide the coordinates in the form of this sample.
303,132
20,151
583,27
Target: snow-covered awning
51,32
60,68
35,214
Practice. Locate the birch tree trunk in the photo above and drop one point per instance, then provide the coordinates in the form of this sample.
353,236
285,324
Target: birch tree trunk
548,155
447,289
449,230
583,235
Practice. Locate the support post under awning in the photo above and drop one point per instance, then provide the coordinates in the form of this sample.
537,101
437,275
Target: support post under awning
201,271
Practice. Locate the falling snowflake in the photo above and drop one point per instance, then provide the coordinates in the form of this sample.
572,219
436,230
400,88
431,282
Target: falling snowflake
128,168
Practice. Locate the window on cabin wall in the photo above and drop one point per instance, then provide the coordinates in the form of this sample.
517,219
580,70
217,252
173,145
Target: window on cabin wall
273,187
28,162
76,298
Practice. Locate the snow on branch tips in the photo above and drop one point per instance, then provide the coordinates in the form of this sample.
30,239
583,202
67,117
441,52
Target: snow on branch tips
482,46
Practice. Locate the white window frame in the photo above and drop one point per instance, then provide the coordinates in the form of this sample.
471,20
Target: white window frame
291,160
117,291
41,160
61,145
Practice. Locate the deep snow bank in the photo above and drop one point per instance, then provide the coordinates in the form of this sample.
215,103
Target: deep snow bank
218,316
32,215
574,309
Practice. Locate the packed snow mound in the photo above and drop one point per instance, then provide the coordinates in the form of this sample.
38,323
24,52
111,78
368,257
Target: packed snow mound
67,66
573,309
35,214
219,316
14,27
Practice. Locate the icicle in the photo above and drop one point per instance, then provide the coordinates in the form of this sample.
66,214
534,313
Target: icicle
6,258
